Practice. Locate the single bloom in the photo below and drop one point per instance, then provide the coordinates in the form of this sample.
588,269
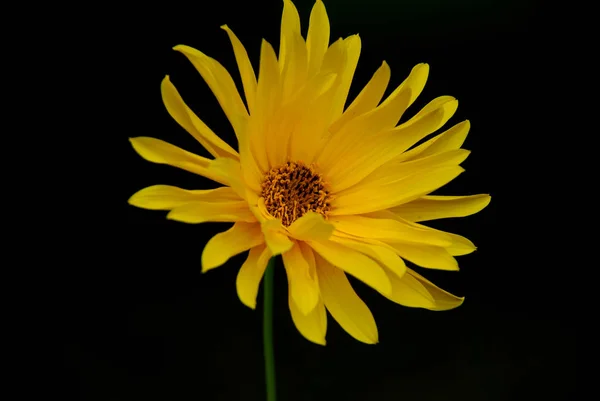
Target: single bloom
334,191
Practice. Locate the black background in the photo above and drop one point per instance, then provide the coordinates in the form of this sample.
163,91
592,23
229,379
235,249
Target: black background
147,325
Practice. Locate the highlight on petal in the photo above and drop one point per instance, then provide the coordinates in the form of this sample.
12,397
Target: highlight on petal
443,299
222,86
354,263
311,226
223,246
167,197
250,275
302,279
344,305
441,207
245,68
192,124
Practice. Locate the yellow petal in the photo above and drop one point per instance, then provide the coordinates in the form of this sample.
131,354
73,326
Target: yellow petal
351,142
367,99
450,139
268,100
379,251
290,23
353,47
311,226
233,171
157,151
389,112
460,245
370,199
302,280
408,291
443,299
394,171
446,104
293,55
192,124
239,238
166,197
317,39
344,305
308,254
310,112
357,143
354,263
202,212
251,175
276,236
387,230
312,326
367,143
428,256
313,108
428,120
441,207
222,85
245,67
295,72
250,275
384,151
416,81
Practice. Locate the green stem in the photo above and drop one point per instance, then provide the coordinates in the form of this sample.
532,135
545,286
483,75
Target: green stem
268,330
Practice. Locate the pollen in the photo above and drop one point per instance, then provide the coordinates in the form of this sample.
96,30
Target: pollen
293,189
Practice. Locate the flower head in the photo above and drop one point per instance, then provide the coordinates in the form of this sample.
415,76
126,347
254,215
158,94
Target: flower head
334,191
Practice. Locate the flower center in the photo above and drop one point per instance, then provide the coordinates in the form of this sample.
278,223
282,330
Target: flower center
293,189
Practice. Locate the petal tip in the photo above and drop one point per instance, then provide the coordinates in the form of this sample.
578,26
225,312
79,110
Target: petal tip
208,264
171,215
132,199
249,304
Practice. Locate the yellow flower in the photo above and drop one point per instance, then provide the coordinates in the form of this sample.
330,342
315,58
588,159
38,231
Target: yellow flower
332,191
